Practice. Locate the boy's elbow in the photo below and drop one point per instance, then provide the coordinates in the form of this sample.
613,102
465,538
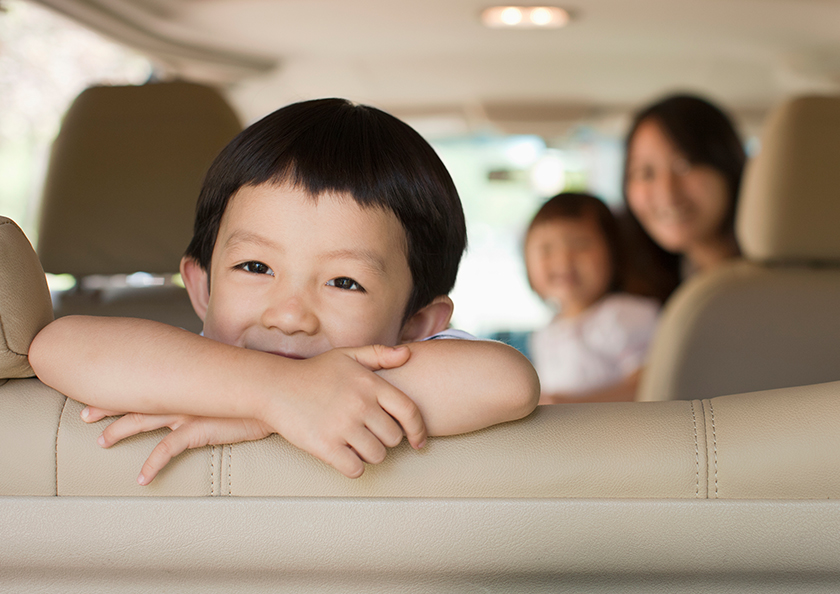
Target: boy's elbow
522,393
38,347
42,352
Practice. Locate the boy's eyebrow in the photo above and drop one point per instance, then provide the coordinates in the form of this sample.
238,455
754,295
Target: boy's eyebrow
373,260
241,236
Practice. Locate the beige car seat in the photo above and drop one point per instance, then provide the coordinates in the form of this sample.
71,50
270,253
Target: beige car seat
731,494
120,193
771,320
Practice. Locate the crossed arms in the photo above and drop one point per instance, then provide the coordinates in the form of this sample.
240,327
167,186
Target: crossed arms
345,406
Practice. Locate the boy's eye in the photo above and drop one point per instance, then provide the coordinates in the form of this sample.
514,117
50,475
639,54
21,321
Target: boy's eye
255,268
345,283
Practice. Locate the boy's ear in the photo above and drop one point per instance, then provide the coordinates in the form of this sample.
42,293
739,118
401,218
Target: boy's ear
429,320
195,279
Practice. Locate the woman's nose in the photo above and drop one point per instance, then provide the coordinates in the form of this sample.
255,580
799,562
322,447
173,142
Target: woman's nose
291,314
668,185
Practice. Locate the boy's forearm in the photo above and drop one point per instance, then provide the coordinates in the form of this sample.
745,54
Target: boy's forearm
464,385
126,364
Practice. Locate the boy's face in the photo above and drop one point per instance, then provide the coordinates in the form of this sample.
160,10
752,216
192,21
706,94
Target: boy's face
297,277
568,262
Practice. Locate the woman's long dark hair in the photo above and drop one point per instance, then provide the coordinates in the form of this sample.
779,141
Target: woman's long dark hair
706,136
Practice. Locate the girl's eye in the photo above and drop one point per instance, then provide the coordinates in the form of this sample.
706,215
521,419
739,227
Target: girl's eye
255,268
641,173
345,283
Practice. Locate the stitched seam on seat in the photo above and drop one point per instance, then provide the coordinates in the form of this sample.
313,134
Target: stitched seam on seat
2,327
212,471
714,445
6,340
696,453
229,452
57,431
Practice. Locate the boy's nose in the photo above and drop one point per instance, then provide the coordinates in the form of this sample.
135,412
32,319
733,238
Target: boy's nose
291,316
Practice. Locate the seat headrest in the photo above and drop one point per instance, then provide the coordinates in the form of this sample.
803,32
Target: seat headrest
789,208
124,175
25,305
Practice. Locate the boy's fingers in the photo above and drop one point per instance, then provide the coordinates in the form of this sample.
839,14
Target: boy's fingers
91,414
132,424
169,447
346,461
368,447
378,356
386,430
406,413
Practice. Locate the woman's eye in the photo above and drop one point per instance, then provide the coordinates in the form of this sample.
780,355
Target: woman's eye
345,283
255,268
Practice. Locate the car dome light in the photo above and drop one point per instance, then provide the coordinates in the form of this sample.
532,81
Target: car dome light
525,17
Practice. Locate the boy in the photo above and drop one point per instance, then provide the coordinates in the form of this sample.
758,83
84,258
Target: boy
326,234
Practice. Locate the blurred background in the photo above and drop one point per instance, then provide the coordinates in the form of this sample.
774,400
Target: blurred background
517,113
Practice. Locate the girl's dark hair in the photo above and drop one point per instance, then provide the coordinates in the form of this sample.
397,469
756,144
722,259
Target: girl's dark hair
572,205
333,145
706,136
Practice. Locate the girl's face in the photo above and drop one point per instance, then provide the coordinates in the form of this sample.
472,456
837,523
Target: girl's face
680,205
568,262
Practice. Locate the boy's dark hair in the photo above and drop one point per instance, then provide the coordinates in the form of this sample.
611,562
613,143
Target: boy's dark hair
706,135
573,205
333,145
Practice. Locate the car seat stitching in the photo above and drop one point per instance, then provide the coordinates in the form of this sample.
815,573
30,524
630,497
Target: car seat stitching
57,431
2,327
714,445
229,454
212,471
696,452
6,340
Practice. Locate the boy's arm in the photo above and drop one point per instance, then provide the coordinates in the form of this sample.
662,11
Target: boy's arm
331,406
459,385
465,385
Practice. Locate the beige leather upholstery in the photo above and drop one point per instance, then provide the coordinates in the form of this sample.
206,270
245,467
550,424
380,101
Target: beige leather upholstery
781,444
789,207
728,494
120,192
124,176
25,305
773,319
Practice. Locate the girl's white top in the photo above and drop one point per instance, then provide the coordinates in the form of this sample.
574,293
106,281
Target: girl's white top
597,348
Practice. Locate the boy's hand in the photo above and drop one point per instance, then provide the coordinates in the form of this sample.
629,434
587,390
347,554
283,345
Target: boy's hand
345,414
188,432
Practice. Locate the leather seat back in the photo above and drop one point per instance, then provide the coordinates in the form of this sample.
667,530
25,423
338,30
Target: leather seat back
120,192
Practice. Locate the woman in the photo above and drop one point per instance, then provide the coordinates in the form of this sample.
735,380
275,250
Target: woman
681,178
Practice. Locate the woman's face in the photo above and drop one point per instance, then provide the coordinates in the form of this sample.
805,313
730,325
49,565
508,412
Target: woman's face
680,205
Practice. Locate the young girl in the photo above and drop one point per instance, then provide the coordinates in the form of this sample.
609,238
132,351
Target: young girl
594,348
